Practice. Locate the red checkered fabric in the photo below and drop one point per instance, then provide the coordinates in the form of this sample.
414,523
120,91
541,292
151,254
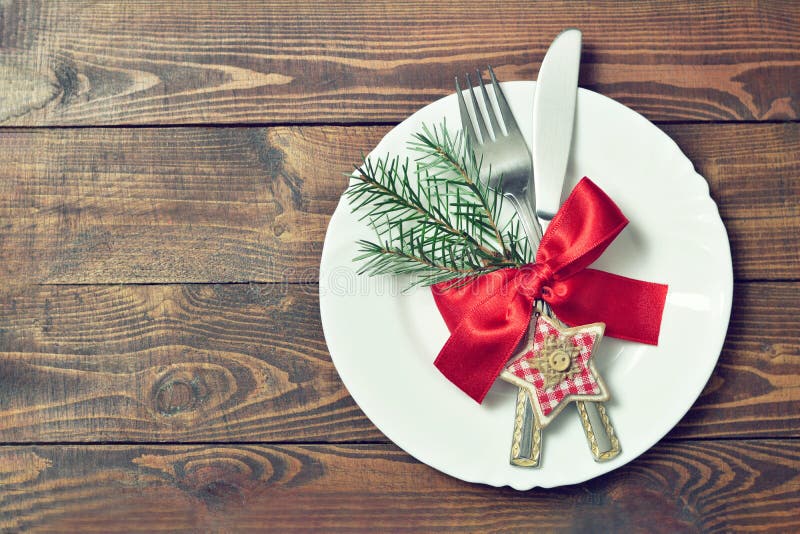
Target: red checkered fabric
582,383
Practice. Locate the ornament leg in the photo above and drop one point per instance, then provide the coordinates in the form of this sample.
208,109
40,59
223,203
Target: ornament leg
526,441
599,431
595,421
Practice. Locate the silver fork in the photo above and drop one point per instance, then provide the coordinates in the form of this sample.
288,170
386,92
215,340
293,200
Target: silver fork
506,155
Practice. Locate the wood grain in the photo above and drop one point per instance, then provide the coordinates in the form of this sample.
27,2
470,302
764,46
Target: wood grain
755,381
239,362
162,362
166,205
198,62
170,363
251,204
754,176
684,486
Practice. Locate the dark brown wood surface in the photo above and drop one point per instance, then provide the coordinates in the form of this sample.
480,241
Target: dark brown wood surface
190,61
679,486
167,172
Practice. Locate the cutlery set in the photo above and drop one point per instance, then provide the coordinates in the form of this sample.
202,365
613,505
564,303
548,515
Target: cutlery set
533,184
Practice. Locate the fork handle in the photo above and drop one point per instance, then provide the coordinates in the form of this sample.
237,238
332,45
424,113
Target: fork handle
527,216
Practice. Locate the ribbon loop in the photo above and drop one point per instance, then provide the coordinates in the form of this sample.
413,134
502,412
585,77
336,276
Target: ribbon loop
488,317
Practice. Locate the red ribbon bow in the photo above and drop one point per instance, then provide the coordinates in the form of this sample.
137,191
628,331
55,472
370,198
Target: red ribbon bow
488,317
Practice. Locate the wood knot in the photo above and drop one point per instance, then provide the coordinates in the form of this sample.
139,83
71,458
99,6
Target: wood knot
221,477
205,384
219,485
180,391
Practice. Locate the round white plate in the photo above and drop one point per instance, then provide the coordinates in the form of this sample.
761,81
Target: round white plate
383,341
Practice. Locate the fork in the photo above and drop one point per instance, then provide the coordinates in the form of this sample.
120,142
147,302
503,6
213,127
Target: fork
506,155
507,165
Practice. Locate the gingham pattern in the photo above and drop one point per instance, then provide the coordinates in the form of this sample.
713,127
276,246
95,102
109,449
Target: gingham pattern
583,383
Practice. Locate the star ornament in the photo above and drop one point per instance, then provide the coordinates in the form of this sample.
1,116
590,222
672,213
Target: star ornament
555,367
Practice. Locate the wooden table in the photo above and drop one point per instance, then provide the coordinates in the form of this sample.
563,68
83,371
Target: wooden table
167,172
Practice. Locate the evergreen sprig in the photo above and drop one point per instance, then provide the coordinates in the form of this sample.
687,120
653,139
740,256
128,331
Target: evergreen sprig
437,221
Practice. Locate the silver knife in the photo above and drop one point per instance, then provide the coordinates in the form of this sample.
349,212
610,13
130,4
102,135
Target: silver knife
553,120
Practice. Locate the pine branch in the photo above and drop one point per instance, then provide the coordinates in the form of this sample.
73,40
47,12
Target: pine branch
454,156
392,201
438,222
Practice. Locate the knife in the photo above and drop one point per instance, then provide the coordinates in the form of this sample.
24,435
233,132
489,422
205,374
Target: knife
553,119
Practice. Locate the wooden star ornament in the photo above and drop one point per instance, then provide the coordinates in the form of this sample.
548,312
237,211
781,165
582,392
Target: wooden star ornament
555,367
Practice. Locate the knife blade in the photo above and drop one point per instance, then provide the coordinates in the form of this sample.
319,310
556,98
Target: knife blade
554,105
553,118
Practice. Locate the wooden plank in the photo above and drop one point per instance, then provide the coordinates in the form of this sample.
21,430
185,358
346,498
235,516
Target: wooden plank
249,363
167,205
685,486
183,363
191,62
250,204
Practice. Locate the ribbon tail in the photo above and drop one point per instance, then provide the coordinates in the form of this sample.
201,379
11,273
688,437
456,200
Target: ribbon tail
483,341
631,309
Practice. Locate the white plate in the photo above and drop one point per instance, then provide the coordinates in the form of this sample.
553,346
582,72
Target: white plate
383,342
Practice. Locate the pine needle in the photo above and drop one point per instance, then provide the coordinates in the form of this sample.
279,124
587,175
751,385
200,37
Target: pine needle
437,222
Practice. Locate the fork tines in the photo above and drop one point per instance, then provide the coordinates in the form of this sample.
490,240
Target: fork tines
509,123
